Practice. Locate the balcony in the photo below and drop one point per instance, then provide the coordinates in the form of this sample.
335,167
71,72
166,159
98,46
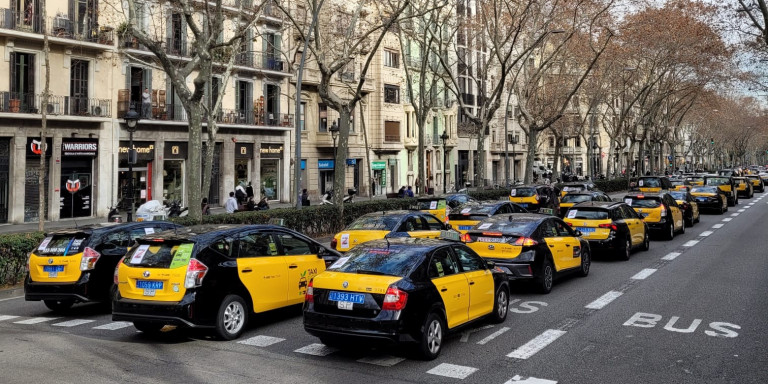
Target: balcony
60,28
31,103
177,113
175,47
263,61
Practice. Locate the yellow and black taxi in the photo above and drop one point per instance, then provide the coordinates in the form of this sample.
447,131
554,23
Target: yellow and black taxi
653,184
744,187
536,198
531,247
469,215
612,227
76,265
574,187
688,204
659,210
725,184
694,180
758,184
405,290
211,276
437,206
677,184
573,198
389,224
710,197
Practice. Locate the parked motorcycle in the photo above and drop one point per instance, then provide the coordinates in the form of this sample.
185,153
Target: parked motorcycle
155,210
176,210
114,215
327,198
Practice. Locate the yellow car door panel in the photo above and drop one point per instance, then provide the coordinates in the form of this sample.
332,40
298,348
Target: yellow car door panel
452,285
303,264
263,271
565,248
480,280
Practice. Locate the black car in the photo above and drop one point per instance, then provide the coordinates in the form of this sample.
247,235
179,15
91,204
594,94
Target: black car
77,265
572,198
609,226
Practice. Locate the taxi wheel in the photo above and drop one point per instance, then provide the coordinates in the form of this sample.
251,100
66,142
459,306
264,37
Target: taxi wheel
501,305
682,228
546,278
58,305
586,262
232,317
646,242
688,220
670,231
432,337
627,249
148,327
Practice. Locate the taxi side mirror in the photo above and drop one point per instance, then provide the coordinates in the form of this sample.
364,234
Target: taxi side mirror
578,233
491,264
448,227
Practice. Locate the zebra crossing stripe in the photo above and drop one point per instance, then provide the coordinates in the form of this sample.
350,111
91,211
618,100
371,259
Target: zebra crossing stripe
115,325
73,323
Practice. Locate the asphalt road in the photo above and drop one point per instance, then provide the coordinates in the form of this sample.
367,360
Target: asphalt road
690,310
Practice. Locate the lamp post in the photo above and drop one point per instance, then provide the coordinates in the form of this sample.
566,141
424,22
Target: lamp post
444,136
334,135
131,120
513,142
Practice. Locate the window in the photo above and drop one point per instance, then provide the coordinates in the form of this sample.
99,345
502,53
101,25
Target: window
392,131
551,142
391,59
548,229
302,116
413,223
119,238
391,94
562,230
442,264
469,262
322,117
223,246
257,244
78,87
23,80
244,98
139,232
295,246
433,223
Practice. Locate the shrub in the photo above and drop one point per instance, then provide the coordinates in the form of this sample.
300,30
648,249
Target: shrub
14,249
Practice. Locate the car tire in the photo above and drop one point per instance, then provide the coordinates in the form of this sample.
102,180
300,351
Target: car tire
59,305
627,249
670,231
546,277
500,305
148,327
432,337
698,217
682,228
688,221
731,201
586,263
646,242
232,317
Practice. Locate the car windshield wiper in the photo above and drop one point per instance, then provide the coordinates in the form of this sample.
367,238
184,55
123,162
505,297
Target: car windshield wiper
368,272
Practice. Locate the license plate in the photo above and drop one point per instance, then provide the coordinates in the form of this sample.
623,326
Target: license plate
149,292
701,199
465,227
585,229
345,305
490,239
149,284
53,274
524,205
53,268
358,298
546,211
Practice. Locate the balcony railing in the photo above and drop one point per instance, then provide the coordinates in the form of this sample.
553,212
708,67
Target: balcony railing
176,112
261,60
176,47
58,26
13,102
391,138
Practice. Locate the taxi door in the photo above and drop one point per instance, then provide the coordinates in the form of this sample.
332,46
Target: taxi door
562,247
303,265
676,212
262,270
480,280
634,223
417,226
452,285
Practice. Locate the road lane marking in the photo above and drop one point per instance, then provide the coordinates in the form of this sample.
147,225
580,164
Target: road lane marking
12,298
718,226
671,256
316,349
727,219
603,300
690,243
261,341
706,233
115,325
528,380
742,210
642,275
452,371
536,344
381,360
465,334
7,317
493,336
73,323
35,320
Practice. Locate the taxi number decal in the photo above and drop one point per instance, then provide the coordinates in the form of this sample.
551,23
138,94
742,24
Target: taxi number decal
572,213
149,231
182,256
45,243
345,241
138,255
513,192
433,205
484,226
340,262
628,202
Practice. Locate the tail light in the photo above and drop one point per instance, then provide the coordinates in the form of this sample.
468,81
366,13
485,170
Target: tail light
525,242
195,273
610,226
334,242
310,295
570,224
663,211
117,267
466,238
394,299
447,219
537,197
90,257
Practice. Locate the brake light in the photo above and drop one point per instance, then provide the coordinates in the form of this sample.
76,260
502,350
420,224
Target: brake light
640,196
610,226
117,267
334,242
447,219
466,238
570,224
525,242
90,257
537,197
394,299
492,233
195,273
309,297
663,211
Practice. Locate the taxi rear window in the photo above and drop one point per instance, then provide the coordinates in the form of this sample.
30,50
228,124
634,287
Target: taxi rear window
573,188
718,181
392,261
678,195
517,227
645,202
375,223
576,198
522,192
62,245
704,190
159,255
651,183
587,214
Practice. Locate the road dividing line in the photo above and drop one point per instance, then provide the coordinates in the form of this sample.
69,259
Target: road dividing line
690,243
12,298
603,300
465,335
452,370
493,335
73,323
742,210
115,325
316,349
7,317
671,256
261,341
727,219
528,380
642,275
381,360
35,320
706,233
536,344
718,226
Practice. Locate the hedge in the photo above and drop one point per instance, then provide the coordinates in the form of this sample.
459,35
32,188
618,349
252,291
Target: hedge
14,249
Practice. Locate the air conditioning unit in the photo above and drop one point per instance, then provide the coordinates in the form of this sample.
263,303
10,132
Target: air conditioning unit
52,109
98,111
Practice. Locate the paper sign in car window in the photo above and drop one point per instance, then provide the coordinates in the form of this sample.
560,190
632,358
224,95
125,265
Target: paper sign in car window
484,226
466,210
339,263
345,240
572,213
149,231
628,202
182,255
45,243
439,267
272,248
433,205
138,254
513,192
640,183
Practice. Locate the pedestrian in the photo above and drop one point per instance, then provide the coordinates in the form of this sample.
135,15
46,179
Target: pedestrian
304,198
409,192
231,204
250,205
146,104
240,193
417,183
205,207
401,192
249,190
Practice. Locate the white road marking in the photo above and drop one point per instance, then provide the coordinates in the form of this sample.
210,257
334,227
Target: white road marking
718,226
261,341
536,344
12,298
7,317
35,320
528,380
742,210
690,243
73,323
381,360
316,349
727,219
706,233
115,325
671,256
465,334
452,370
642,275
493,335
603,300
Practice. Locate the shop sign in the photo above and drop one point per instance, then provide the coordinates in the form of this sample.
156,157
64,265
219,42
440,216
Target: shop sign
144,150
79,147
73,185
174,150
274,151
35,147
325,164
303,165
378,165
384,177
351,161
243,150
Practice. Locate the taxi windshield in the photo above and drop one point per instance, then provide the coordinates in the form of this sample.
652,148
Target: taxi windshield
587,214
375,223
393,261
678,195
159,255
718,181
62,245
704,190
576,198
645,202
522,192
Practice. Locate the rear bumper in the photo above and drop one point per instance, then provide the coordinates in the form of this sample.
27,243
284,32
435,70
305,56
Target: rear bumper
609,244
515,270
384,329
181,313
77,291
657,226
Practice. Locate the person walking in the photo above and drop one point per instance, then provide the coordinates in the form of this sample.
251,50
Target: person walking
304,198
146,104
231,204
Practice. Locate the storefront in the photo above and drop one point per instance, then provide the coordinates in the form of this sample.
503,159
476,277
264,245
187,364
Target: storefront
269,170
174,185
142,173
243,160
76,187
325,169
31,183
379,169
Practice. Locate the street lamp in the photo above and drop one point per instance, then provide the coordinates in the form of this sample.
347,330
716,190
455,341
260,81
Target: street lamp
131,120
444,136
334,135
513,141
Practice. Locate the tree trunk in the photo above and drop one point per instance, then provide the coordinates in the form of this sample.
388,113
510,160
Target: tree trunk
480,171
421,120
194,165
558,158
44,126
208,162
339,167
533,136
371,183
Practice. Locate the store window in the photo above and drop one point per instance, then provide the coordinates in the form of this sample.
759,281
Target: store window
175,154
271,155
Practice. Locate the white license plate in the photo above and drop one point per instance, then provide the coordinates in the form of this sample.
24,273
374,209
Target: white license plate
483,239
53,274
149,292
345,305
